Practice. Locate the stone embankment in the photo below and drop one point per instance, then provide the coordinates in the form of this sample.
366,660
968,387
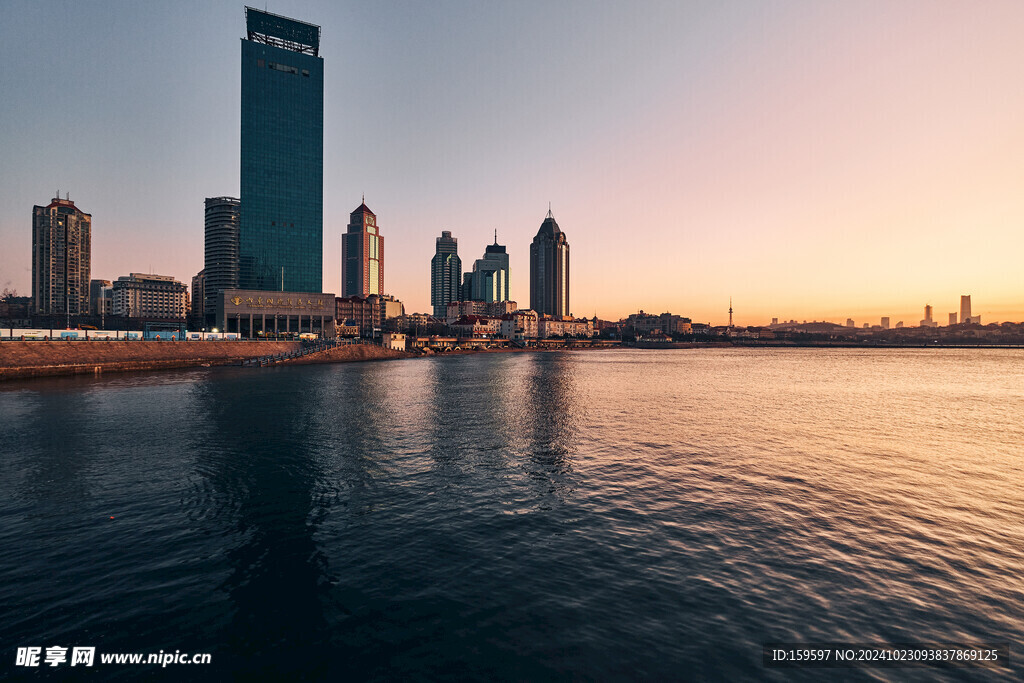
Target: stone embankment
20,359
350,353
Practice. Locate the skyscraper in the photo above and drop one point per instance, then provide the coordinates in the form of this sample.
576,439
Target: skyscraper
549,270
61,258
445,273
491,274
221,253
362,255
281,220
965,308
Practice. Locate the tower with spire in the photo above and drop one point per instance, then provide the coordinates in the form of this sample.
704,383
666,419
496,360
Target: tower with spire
549,270
362,255
490,276
730,312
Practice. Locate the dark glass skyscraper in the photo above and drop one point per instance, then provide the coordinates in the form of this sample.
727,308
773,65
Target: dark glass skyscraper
281,227
549,270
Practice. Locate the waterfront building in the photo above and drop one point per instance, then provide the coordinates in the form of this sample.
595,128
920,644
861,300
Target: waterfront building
457,309
885,322
394,340
445,271
362,255
256,313
952,319
490,280
644,324
965,308
519,325
549,270
550,326
280,239
475,327
221,245
146,295
850,323
367,313
61,258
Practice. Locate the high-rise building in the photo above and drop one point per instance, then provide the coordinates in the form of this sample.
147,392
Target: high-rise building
549,270
885,322
221,252
491,274
965,308
445,272
952,319
61,258
280,239
362,255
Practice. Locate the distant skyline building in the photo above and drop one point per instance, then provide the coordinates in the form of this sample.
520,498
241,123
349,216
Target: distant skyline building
61,258
490,279
445,273
362,255
965,308
928,322
952,319
885,322
282,144
549,270
220,263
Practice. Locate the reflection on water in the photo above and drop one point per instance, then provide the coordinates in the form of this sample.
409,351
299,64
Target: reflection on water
537,515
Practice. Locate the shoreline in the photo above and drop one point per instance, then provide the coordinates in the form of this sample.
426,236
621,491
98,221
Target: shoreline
97,358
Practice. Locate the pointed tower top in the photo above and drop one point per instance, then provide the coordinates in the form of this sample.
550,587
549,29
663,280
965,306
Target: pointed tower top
550,215
495,235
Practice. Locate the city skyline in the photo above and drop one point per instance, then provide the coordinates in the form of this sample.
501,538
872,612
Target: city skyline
814,162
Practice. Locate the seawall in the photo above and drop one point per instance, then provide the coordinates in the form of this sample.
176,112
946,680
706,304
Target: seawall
21,359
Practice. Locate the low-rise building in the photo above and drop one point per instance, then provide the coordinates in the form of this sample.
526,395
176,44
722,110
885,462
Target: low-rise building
519,325
476,327
145,295
458,309
367,313
394,340
548,326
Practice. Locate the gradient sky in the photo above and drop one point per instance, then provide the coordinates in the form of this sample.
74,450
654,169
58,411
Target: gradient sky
813,160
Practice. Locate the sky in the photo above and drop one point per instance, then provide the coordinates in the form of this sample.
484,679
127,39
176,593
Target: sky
816,160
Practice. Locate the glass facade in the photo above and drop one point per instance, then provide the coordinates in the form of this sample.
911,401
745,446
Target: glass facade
281,214
445,271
